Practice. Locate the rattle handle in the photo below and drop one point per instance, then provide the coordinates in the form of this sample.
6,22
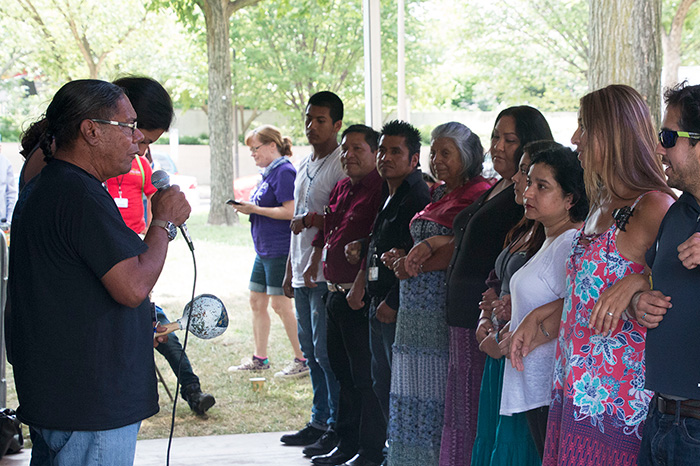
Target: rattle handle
170,328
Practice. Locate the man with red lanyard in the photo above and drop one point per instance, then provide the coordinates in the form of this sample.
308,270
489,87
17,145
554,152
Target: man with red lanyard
128,190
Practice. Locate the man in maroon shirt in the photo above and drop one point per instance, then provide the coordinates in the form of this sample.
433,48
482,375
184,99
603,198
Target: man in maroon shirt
352,208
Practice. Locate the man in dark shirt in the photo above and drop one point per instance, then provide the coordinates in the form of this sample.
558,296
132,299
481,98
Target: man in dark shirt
79,331
672,430
404,194
349,216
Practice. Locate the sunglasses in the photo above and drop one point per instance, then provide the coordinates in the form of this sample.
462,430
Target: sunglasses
668,138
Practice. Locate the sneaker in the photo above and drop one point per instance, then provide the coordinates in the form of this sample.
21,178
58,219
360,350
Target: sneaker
306,436
327,442
294,369
254,364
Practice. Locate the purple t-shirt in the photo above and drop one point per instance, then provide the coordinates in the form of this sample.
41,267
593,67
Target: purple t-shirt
270,236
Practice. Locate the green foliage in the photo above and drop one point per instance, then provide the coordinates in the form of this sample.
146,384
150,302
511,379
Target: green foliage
518,52
286,51
201,140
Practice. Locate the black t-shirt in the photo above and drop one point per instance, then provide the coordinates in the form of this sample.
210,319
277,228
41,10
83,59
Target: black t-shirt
391,230
673,348
81,360
480,231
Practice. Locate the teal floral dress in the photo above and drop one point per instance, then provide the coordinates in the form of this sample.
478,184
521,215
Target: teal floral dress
598,399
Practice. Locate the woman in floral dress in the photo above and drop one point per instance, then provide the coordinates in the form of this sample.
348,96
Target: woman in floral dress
598,397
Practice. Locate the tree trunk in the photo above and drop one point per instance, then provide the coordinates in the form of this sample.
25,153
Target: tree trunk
220,112
646,15
672,44
625,47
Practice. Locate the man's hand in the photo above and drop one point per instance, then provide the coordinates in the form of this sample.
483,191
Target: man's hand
689,251
161,339
170,205
354,297
386,314
311,270
650,307
353,251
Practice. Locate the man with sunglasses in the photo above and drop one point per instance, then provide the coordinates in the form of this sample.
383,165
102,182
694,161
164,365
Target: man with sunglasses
79,323
670,310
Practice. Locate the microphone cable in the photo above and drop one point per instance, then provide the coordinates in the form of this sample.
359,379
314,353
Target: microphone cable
182,355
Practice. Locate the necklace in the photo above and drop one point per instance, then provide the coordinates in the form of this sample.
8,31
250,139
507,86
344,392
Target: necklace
310,180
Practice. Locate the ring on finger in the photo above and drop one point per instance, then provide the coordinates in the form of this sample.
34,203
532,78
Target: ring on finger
610,314
644,316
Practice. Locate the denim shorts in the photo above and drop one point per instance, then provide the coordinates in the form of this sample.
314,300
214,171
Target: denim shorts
268,275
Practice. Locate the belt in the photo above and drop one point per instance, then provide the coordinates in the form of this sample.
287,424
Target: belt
688,408
339,287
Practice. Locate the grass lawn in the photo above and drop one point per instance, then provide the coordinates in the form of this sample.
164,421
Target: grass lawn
224,260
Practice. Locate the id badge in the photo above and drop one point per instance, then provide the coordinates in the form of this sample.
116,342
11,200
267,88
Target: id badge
122,202
373,273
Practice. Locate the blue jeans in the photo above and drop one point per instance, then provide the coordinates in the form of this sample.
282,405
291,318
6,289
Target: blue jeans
311,326
114,447
668,439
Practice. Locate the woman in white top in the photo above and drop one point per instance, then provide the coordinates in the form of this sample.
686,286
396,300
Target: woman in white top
555,197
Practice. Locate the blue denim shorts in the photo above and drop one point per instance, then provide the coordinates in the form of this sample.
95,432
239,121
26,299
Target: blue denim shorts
268,275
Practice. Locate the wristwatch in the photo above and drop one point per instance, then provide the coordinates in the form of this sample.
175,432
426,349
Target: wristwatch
169,227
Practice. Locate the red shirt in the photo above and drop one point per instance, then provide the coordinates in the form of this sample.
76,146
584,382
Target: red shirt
130,187
350,215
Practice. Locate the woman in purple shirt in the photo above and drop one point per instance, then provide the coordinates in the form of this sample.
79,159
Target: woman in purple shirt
271,207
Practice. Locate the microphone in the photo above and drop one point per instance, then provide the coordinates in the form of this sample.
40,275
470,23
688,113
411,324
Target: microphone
161,180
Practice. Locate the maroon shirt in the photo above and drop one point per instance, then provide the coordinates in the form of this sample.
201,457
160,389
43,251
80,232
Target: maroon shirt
350,215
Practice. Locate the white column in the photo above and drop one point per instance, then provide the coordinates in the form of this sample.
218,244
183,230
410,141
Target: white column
401,108
373,66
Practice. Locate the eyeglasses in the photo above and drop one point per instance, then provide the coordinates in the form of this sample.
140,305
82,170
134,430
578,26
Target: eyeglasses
253,150
668,138
133,125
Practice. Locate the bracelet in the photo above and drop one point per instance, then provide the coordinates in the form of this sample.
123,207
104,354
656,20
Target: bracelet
427,243
303,221
544,332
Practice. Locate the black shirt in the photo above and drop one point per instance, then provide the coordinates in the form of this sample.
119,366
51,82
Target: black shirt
391,230
81,360
480,231
673,348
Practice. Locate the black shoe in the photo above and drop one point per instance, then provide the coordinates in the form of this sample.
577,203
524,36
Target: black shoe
360,461
199,402
333,458
305,436
323,445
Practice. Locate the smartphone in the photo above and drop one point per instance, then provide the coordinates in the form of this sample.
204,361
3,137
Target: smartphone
233,202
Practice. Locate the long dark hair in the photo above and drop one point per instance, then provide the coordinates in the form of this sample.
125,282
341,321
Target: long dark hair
75,102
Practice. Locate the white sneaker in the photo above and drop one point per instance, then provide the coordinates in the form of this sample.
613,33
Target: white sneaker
295,369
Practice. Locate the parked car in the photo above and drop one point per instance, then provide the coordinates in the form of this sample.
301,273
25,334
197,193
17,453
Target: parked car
187,184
